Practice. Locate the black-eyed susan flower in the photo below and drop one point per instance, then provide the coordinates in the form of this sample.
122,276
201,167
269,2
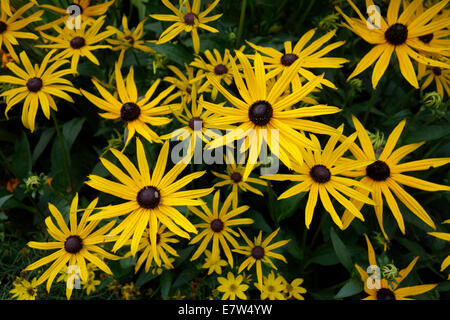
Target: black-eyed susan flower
235,178
213,263
321,175
24,289
260,251
136,112
217,227
294,289
384,175
382,289
272,287
440,77
127,39
262,115
164,239
182,82
399,34
216,66
37,87
87,12
75,244
444,236
76,43
10,27
232,287
149,198
311,56
188,19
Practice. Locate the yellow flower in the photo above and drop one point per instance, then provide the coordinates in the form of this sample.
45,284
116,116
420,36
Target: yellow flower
75,245
76,43
182,83
399,34
443,236
440,76
187,19
213,263
272,287
217,227
149,198
310,56
384,174
385,291
232,287
10,26
90,283
135,111
293,289
37,85
24,289
127,39
129,291
260,251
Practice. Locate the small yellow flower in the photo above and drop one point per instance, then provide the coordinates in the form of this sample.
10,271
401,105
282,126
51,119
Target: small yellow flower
293,289
213,263
272,287
232,287
24,289
129,291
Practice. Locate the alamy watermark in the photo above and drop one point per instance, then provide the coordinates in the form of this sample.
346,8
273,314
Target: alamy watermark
74,20
374,19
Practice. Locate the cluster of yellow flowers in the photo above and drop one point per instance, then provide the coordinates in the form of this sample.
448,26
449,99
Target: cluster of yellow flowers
270,84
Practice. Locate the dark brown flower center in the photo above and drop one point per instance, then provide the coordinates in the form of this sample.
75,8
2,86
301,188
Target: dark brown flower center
378,171
236,177
73,244
396,34
426,38
189,18
79,7
288,59
34,84
130,111
258,252
130,39
437,71
149,197
220,69
195,123
3,27
217,225
260,113
31,291
320,173
188,90
385,294
77,42
158,238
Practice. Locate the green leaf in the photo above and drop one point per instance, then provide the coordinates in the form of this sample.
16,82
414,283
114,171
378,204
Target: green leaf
177,54
145,277
21,159
71,130
287,207
351,288
166,281
341,251
433,132
4,199
43,142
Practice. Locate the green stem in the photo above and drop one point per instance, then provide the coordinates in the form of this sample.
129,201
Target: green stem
305,14
241,22
271,199
369,108
64,150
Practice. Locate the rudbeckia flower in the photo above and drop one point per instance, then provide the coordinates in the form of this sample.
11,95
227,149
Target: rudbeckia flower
213,263
272,287
75,244
440,77
182,83
387,291
37,86
399,34
384,174
444,236
24,289
232,287
187,19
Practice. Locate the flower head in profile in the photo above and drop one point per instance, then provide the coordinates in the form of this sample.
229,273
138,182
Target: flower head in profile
37,85
75,244
184,83
272,287
232,287
397,33
439,76
381,289
213,263
136,112
187,18
24,289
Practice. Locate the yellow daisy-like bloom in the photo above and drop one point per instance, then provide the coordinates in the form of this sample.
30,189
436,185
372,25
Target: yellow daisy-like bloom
90,284
321,175
384,174
399,34
78,43
75,244
441,78
260,251
149,198
385,291
187,19
232,287
293,289
24,289
10,27
234,177
182,83
213,263
135,111
272,287
218,67
262,113
87,12
37,86
311,57
127,39
163,240
446,237
217,227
